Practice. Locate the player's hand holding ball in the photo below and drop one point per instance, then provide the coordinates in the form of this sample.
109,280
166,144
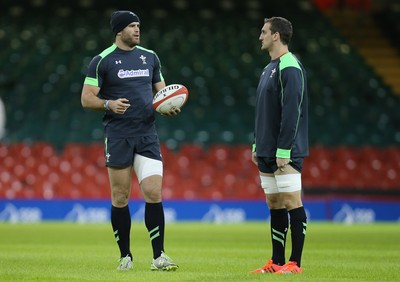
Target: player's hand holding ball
173,112
169,100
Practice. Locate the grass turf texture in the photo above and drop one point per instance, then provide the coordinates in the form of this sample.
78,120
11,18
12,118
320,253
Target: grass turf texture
204,252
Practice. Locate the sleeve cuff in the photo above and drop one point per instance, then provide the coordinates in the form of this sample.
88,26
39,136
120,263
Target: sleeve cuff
283,154
91,81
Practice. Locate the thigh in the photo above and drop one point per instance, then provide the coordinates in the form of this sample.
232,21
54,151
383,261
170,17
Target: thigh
149,147
145,167
118,152
120,182
297,164
289,184
266,165
148,167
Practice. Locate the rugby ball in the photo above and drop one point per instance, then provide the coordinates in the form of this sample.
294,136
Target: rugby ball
172,96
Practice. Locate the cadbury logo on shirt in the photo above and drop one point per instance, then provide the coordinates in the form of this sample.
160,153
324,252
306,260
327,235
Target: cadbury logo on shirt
133,73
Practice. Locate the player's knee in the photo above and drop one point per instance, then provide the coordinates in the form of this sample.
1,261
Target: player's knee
151,188
291,200
119,198
274,201
152,196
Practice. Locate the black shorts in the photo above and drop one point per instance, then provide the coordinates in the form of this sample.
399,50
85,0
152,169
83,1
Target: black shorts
120,152
268,164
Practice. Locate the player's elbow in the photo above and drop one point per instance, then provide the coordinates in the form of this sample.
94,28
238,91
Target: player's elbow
84,100
89,96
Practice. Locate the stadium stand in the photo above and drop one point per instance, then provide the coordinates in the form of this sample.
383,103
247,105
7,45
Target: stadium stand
53,148
362,31
219,172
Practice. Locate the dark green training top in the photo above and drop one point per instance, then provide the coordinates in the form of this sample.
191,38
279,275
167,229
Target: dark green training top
281,121
130,75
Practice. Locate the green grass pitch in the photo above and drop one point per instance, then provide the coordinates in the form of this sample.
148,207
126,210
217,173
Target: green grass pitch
58,251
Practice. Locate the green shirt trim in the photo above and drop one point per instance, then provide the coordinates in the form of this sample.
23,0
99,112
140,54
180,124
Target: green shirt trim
283,154
288,60
91,81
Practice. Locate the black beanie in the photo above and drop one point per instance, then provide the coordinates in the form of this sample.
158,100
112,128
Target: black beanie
121,19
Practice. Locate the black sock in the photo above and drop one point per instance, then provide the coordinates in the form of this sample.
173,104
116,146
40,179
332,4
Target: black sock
279,227
155,224
298,226
121,224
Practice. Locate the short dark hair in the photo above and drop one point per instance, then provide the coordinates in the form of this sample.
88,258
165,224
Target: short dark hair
281,25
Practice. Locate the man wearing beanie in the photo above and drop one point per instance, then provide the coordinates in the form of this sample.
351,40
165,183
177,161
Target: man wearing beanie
121,81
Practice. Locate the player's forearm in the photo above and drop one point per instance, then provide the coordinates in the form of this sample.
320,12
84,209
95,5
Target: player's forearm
89,101
289,119
90,98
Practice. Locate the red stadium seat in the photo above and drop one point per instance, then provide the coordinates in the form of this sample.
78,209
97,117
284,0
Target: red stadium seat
72,150
42,150
219,155
95,154
19,151
192,151
392,155
221,172
4,151
343,154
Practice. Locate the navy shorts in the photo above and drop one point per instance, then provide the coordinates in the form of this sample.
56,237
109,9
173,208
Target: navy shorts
268,164
120,152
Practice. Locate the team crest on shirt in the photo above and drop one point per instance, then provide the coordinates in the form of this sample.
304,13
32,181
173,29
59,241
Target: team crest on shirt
272,72
143,58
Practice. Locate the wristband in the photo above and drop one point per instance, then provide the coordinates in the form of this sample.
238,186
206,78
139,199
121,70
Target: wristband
253,148
106,104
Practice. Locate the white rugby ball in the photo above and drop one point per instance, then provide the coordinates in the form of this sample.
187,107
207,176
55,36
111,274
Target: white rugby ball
172,96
